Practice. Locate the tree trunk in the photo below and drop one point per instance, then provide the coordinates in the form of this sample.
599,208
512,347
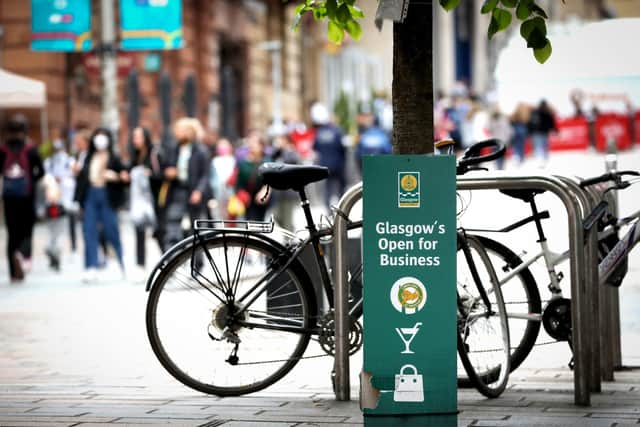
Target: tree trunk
413,81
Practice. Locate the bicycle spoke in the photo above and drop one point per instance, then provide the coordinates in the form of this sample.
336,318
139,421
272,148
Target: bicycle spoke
238,270
198,288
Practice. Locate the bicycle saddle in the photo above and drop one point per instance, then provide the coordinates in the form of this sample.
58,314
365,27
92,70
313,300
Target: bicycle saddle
281,176
524,195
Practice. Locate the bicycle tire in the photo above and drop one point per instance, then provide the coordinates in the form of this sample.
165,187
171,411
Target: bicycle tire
205,375
522,338
483,332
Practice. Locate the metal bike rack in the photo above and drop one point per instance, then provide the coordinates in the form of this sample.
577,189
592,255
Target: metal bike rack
611,165
590,255
609,312
342,387
581,298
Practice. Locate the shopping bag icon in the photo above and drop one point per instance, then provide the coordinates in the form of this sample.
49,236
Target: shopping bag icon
408,387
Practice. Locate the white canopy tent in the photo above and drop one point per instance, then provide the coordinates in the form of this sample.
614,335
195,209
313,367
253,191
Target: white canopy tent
22,92
596,58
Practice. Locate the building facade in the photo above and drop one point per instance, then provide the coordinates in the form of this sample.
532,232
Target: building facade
224,54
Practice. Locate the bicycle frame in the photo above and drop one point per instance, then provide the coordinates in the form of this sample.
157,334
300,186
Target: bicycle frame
621,250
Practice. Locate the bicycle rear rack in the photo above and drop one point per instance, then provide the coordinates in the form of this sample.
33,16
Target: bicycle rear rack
233,225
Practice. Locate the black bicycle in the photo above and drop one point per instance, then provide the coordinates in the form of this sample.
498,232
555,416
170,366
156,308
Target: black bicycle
232,308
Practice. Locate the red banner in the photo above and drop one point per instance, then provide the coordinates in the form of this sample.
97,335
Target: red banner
636,126
573,134
613,126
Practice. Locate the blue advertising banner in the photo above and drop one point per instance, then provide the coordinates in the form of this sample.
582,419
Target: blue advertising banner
61,25
151,24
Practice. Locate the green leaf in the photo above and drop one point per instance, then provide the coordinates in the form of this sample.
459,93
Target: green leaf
503,17
449,4
344,14
332,9
319,13
354,29
543,53
335,33
493,27
488,6
528,26
540,11
509,3
300,8
537,39
523,11
349,2
356,12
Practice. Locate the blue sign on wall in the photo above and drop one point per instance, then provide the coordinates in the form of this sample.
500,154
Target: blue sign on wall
151,24
61,25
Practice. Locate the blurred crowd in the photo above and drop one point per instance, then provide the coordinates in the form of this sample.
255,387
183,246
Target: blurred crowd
86,181
467,118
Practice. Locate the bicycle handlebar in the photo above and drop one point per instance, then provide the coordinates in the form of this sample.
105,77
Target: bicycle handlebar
472,155
609,176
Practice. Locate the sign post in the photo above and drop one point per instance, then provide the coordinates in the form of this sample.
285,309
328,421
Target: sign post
409,244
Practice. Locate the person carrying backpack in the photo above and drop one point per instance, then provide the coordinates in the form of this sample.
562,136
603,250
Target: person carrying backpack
20,168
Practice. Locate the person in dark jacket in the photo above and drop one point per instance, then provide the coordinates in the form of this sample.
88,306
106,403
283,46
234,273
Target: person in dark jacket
331,153
21,168
100,192
541,124
187,172
145,181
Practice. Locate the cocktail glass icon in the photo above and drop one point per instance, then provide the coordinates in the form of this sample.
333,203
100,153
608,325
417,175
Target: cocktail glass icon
407,335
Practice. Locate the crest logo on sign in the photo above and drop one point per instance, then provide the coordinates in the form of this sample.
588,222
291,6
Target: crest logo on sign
408,189
408,295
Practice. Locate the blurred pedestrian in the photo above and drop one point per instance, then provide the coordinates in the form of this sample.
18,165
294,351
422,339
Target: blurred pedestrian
145,179
59,188
500,128
81,141
222,166
520,130
475,126
21,168
373,140
541,124
331,153
100,192
187,173
249,190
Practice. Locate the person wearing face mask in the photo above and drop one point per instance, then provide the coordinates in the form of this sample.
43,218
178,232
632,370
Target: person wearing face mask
59,189
100,192
20,168
187,172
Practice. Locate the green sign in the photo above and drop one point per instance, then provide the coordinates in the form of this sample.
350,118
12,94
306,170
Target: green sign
409,243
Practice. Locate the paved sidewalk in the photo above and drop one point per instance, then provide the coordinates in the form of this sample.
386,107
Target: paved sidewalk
31,396
74,354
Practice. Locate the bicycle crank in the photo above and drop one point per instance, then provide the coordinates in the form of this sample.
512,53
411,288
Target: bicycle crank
556,319
327,335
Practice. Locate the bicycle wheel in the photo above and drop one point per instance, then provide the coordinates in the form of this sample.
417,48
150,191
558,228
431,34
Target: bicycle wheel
483,331
521,299
216,333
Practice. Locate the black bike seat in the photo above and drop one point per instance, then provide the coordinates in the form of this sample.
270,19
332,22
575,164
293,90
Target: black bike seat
524,195
281,176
